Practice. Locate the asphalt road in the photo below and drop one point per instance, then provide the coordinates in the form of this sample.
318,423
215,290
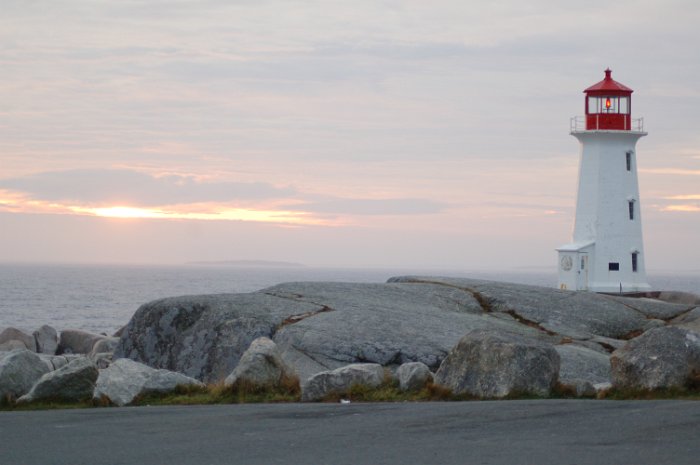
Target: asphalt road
561,432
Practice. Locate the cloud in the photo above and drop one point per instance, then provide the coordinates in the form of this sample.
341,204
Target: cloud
397,206
122,186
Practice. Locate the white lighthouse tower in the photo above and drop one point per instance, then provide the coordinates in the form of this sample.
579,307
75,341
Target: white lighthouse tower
607,252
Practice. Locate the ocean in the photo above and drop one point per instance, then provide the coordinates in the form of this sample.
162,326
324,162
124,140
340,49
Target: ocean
102,298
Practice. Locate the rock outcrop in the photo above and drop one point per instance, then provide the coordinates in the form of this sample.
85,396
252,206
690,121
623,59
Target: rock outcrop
260,366
19,370
490,364
319,327
660,358
124,380
73,382
341,380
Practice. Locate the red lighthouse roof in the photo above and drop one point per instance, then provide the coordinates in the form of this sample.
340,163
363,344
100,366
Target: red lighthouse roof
608,86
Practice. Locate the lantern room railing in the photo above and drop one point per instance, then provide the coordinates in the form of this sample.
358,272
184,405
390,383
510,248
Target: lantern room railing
578,124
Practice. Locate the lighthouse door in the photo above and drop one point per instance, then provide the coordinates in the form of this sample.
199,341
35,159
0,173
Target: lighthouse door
582,284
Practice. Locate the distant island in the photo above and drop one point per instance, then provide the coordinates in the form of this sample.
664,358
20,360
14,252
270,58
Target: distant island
249,263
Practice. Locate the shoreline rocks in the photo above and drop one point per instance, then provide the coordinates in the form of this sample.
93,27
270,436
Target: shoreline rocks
485,338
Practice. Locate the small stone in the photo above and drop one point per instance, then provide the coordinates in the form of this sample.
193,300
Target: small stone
341,380
260,365
413,376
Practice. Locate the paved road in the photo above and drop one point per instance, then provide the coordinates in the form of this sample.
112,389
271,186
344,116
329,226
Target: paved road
566,432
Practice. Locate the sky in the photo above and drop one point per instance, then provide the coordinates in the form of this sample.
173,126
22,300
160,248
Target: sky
364,134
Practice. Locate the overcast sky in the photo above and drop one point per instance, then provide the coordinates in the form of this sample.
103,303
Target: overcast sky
364,133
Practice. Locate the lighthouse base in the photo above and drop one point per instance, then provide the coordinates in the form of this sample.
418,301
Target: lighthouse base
580,269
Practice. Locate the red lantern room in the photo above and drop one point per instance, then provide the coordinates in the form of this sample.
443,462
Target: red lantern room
608,105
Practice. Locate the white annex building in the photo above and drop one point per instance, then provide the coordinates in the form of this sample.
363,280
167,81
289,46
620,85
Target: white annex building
607,252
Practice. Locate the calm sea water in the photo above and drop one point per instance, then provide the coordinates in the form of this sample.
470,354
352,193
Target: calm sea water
103,298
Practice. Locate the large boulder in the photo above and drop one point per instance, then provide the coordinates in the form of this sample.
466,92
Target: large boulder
74,341
490,364
124,380
413,376
261,365
19,370
73,382
10,337
341,380
666,357
46,339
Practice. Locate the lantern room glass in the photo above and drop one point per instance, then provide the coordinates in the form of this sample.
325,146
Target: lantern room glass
608,104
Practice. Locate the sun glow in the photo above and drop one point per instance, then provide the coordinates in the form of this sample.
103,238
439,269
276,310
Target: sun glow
17,203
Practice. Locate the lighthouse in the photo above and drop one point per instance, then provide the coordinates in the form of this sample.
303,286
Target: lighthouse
607,251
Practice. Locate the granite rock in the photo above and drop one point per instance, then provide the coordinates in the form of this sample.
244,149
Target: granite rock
490,364
74,341
124,380
8,335
261,365
660,358
19,370
73,382
581,363
413,376
341,380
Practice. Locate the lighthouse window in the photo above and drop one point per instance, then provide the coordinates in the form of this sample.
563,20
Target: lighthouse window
631,208
634,261
613,266
628,158
624,105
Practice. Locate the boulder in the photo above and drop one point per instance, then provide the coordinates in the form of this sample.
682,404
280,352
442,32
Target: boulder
341,380
74,341
413,376
125,379
19,370
261,365
73,382
13,334
666,357
46,339
490,364
12,344
582,364
104,345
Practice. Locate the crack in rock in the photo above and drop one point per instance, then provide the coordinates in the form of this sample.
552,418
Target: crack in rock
533,324
290,320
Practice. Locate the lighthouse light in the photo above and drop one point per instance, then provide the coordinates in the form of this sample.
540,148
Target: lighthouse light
608,104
